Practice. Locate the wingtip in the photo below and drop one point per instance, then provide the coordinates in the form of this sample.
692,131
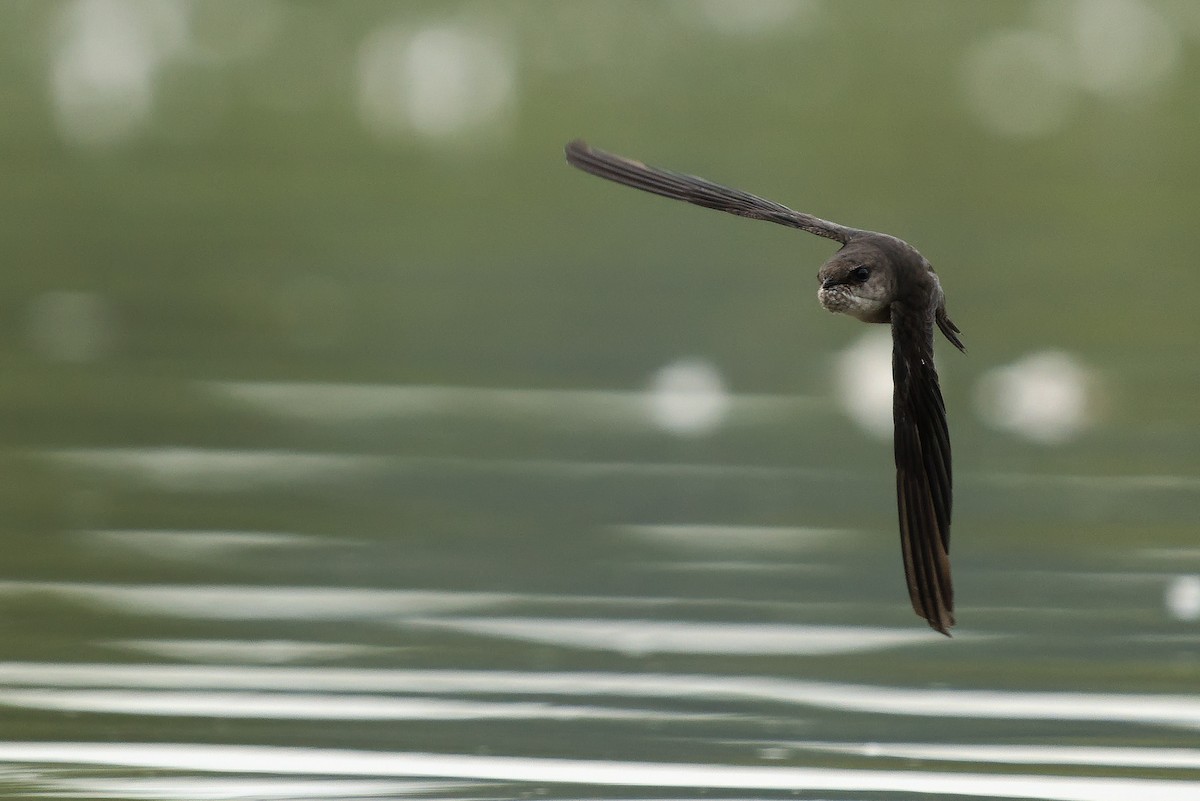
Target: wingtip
941,623
576,148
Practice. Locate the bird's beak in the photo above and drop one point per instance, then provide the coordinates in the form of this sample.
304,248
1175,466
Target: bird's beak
829,283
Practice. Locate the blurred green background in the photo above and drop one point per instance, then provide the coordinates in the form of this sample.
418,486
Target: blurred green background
375,193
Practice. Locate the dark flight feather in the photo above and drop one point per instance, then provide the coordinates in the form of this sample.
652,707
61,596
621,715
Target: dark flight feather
924,482
692,189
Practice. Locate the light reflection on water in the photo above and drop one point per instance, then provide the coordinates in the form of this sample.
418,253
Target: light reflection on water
267,652
682,397
302,761
665,638
211,470
300,706
258,603
199,469
638,637
192,544
1144,709
1019,754
249,788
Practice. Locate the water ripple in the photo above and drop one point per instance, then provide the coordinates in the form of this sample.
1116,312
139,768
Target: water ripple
300,706
1183,758
637,637
1139,708
329,762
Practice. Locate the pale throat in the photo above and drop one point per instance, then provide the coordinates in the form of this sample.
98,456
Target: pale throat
865,306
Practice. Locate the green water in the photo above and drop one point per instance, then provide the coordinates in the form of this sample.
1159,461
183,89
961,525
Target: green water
340,454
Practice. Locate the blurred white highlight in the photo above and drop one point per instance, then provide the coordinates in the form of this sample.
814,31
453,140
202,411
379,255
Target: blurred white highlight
197,469
1018,83
1123,47
249,652
233,602
688,397
340,403
311,706
435,82
194,544
1044,397
863,382
641,637
104,63
258,759
734,539
61,784
1125,756
1183,598
1024,83
1151,709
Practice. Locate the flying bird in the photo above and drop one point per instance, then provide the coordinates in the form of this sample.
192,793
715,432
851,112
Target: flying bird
876,278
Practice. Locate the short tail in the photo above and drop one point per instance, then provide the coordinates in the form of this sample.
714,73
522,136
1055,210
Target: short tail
950,329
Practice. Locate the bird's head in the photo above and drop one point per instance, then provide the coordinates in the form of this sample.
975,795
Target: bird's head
859,281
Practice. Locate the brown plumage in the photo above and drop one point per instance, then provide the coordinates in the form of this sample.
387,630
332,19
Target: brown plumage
878,279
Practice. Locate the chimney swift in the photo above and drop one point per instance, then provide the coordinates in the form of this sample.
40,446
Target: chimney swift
878,279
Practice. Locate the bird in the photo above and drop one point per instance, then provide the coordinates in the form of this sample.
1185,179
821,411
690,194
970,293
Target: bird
876,278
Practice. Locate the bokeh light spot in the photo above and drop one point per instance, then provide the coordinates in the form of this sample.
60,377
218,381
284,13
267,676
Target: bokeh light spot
1044,397
1019,83
435,82
688,397
863,382
1124,47
102,72
1183,598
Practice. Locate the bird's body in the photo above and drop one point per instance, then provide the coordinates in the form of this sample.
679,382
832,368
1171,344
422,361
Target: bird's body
875,278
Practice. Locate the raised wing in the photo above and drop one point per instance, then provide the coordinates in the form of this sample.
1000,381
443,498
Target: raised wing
695,190
924,483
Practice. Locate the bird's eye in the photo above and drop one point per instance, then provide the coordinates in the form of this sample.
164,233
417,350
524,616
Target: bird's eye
860,274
